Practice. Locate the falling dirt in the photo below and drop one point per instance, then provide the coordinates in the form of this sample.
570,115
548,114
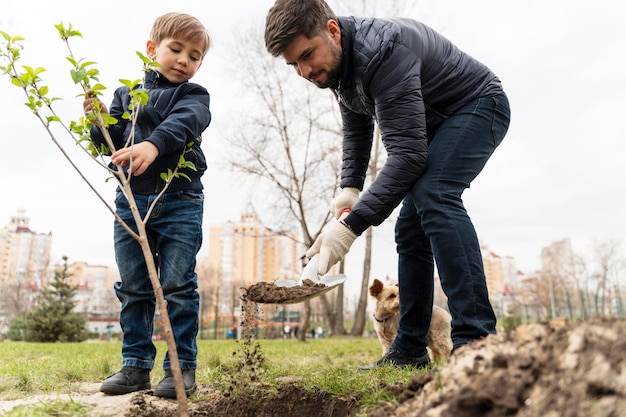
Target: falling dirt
266,292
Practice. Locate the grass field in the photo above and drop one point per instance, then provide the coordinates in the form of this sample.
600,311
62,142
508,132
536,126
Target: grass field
328,364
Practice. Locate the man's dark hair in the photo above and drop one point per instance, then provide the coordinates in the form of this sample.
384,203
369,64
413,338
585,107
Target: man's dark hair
290,18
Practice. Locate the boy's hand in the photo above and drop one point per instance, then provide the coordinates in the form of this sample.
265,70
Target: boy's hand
143,154
89,105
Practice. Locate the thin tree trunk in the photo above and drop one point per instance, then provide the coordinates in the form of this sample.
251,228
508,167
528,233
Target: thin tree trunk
179,384
360,315
359,319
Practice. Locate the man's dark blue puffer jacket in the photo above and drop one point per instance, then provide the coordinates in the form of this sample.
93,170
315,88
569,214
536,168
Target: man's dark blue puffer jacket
175,116
408,78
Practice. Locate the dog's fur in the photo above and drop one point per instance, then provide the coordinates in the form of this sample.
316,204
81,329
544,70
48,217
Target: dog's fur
387,315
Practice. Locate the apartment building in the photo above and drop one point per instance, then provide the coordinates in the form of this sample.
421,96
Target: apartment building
244,252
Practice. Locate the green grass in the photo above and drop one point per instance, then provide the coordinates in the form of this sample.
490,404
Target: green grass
328,364
49,409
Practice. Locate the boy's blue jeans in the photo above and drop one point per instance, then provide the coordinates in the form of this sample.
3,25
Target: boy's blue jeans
174,232
433,223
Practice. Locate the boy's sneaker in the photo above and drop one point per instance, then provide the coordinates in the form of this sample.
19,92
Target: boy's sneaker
399,360
167,388
128,379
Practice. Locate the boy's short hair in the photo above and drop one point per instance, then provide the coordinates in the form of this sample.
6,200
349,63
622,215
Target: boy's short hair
181,26
290,18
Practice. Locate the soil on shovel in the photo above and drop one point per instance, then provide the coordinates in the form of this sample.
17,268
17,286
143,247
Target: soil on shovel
268,293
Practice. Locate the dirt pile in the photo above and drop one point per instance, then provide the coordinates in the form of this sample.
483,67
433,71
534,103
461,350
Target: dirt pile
550,370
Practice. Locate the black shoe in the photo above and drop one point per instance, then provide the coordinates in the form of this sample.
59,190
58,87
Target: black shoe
167,388
128,379
399,360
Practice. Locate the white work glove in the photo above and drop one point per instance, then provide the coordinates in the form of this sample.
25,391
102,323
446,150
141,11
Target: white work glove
332,245
344,200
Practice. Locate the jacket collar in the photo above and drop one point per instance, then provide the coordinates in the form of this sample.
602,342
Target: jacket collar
347,41
155,79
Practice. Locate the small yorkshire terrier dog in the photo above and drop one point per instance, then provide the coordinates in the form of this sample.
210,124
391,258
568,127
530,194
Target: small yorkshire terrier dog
387,315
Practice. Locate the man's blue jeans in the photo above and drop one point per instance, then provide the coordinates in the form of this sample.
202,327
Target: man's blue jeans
174,232
433,223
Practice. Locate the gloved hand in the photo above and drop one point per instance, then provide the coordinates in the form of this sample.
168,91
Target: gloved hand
332,245
344,200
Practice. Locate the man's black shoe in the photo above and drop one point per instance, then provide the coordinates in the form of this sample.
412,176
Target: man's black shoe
399,360
128,379
167,388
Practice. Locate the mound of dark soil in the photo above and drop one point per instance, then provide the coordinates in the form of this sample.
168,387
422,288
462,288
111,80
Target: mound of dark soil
550,370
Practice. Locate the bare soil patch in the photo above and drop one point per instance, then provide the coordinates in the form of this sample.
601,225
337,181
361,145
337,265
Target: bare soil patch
287,401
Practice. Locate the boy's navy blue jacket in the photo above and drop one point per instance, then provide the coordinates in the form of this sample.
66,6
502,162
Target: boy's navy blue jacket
176,114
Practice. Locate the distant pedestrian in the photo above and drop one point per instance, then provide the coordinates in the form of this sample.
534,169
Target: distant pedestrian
109,332
319,332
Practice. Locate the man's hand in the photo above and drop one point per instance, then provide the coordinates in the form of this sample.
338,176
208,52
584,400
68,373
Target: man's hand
344,200
332,245
143,154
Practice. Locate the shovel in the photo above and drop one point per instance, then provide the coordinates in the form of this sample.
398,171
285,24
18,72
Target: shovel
310,271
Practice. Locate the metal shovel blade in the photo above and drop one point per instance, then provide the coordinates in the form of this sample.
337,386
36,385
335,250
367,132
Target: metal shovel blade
331,281
310,272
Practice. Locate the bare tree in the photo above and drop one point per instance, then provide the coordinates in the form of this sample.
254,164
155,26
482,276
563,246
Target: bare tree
286,144
607,255
582,275
360,317
558,269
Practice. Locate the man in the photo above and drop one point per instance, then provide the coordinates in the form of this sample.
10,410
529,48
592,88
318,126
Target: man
441,115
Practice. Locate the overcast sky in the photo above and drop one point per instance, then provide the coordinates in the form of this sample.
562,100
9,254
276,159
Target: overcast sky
558,174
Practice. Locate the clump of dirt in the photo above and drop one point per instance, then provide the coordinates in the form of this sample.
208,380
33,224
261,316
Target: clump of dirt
552,370
267,292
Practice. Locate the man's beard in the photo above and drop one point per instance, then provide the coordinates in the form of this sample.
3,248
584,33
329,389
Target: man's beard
331,79
332,76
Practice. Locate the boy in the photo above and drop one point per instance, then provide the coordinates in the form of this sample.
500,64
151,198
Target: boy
175,116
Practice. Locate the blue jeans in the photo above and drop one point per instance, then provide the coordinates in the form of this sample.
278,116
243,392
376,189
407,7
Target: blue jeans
433,226
174,232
